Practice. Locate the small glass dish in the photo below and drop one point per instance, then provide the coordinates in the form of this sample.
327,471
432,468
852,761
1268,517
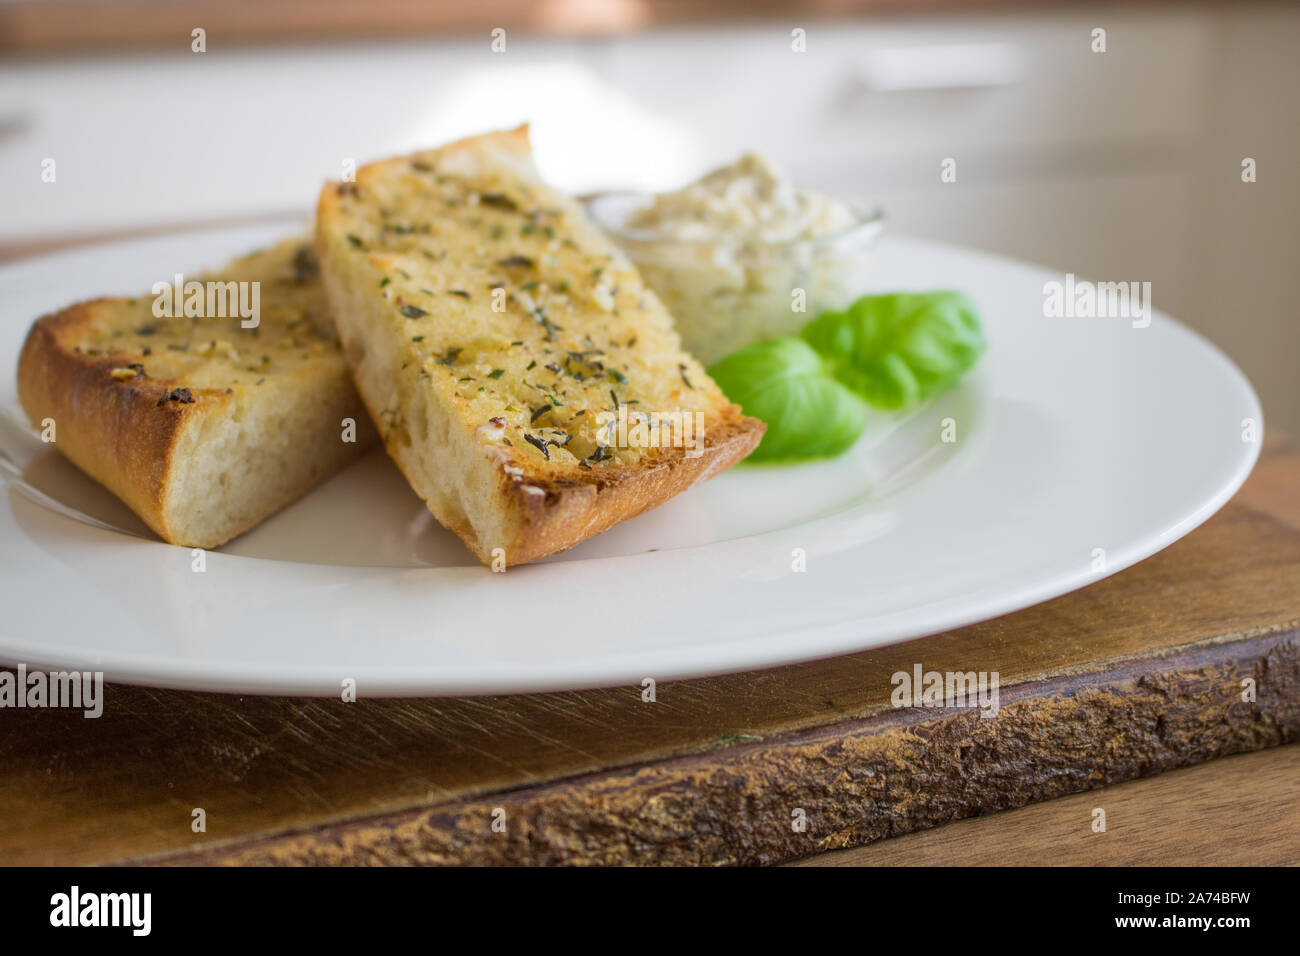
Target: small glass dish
726,293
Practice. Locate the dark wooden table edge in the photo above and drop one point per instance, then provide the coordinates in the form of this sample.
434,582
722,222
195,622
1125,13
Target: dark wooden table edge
737,804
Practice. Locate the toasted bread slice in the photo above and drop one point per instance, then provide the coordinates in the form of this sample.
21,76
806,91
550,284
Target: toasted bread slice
488,325
203,427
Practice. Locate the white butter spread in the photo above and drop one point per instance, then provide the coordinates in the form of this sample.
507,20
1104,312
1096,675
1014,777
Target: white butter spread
743,255
752,199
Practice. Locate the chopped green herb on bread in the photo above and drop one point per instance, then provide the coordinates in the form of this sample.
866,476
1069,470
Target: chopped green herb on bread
495,334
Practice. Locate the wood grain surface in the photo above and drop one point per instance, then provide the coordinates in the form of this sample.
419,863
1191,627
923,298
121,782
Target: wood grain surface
1239,811
1139,673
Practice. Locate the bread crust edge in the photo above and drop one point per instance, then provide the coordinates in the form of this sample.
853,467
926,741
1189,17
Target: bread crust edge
571,510
113,431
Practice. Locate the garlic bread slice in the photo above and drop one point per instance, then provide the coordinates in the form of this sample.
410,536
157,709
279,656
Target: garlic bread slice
203,426
529,385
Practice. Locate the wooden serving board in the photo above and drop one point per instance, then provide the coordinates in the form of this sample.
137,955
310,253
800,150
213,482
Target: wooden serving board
1136,674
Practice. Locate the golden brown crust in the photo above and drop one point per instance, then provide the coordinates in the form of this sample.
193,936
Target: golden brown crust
113,430
573,509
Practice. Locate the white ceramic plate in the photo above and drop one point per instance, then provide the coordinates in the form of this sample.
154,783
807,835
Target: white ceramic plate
1073,435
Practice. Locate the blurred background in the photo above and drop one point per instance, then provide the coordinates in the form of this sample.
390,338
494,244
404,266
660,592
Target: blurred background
1125,164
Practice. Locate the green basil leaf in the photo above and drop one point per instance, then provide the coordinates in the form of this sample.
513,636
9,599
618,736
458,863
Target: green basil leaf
784,383
897,350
